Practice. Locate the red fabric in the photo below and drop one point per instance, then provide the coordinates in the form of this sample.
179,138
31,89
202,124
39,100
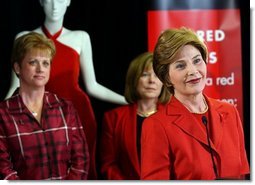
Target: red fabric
174,144
64,81
118,149
56,148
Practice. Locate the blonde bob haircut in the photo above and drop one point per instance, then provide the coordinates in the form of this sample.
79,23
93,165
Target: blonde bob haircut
135,70
168,44
31,41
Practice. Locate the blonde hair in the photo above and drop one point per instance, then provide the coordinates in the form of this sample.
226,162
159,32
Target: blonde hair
169,43
135,70
28,42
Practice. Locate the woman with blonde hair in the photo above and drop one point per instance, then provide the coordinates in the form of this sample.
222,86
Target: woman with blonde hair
196,137
41,135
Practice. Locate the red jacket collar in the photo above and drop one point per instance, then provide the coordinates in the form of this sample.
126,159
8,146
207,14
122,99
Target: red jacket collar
182,118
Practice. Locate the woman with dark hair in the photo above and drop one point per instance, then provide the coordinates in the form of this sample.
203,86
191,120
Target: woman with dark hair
121,127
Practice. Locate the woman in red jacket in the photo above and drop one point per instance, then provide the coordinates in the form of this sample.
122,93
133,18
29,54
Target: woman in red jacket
121,127
195,137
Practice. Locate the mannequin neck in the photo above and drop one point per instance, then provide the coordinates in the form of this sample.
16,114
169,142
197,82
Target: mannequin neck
53,27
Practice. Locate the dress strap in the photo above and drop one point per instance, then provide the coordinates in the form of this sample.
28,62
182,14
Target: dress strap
47,33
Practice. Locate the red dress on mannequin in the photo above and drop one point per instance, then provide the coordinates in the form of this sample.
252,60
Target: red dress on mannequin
64,81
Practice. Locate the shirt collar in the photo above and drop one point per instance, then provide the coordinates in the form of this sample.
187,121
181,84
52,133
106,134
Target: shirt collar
15,103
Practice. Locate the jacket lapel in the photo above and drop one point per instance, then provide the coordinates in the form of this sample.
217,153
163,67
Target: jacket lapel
130,130
130,136
189,124
185,121
217,117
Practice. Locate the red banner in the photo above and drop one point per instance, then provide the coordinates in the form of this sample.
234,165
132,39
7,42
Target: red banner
220,29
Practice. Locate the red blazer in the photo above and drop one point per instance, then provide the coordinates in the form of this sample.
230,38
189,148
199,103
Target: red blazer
118,150
174,144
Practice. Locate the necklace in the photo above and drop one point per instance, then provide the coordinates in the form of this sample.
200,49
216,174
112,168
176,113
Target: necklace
34,113
204,111
146,114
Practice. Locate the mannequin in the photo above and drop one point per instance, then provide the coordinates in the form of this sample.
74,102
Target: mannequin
74,46
79,41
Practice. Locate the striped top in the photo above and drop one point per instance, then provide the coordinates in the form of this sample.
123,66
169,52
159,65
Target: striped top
56,148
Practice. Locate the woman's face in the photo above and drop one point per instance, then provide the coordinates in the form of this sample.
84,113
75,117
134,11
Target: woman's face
34,69
188,72
54,9
149,86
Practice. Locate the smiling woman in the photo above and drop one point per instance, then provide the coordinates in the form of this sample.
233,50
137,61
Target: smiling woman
37,126
192,138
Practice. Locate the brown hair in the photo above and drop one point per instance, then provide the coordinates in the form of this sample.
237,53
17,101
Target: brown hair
28,42
135,70
168,44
